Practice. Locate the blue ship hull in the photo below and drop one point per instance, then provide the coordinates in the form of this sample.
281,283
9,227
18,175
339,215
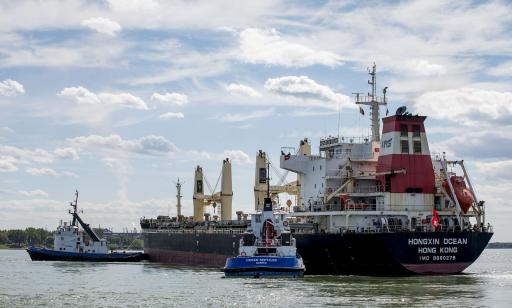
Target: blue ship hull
264,266
43,254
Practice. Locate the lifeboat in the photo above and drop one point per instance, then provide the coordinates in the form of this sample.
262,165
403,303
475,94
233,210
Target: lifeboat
462,193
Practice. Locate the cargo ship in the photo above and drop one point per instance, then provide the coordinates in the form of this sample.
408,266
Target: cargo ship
377,205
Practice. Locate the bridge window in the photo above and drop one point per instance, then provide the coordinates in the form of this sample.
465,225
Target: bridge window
416,147
403,130
416,131
404,146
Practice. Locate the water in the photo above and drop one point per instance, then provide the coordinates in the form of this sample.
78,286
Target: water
24,283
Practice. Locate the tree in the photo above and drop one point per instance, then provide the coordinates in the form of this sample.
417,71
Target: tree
17,237
3,237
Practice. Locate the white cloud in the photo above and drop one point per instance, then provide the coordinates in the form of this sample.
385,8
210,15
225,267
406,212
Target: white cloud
152,145
42,171
234,88
8,164
33,193
267,47
304,88
467,106
503,69
66,153
11,87
25,156
170,98
50,172
237,156
172,115
102,25
84,96
247,116
426,68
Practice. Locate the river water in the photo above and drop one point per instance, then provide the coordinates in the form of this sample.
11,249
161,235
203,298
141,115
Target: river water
23,283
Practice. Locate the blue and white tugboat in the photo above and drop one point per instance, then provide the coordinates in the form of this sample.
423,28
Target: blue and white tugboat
267,249
71,244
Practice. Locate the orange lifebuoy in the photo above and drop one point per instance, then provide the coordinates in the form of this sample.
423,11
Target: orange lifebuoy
242,253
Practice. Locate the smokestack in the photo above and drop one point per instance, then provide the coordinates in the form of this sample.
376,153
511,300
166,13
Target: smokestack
226,191
260,180
198,195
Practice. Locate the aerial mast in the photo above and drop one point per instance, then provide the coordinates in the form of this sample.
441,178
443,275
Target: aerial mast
178,197
74,206
374,102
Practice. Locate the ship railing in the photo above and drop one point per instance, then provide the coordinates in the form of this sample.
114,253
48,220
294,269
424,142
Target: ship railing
336,207
356,156
368,189
197,230
272,242
405,228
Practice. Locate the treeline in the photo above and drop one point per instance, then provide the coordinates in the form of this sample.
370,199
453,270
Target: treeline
23,238
499,245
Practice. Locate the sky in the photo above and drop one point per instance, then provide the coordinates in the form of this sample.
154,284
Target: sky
120,98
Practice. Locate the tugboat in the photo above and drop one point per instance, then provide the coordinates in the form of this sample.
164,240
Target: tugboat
70,244
270,251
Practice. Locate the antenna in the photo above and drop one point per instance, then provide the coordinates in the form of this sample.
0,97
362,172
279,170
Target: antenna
268,179
178,198
373,101
74,206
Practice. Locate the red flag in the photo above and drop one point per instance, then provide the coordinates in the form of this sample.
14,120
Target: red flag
361,110
436,220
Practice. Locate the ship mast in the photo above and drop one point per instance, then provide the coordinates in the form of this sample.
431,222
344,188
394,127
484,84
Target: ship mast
74,205
374,102
178,197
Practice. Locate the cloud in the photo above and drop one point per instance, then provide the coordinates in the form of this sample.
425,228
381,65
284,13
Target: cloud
8,164
151,145
237,156
467,106
66,153
11,87
241,89
267,47
84,96
503,69
426,68
25,156
304,88
42,171
495,170
33,193
50,172
102,25
172,115
170,98
247,116
480,144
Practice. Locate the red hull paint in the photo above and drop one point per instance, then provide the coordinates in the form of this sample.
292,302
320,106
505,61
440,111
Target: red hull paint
440,268
186,257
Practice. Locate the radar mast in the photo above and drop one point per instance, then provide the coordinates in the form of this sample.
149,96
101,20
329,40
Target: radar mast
373,101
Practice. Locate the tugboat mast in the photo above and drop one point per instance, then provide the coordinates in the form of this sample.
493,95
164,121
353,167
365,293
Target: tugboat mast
374,102
74,205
